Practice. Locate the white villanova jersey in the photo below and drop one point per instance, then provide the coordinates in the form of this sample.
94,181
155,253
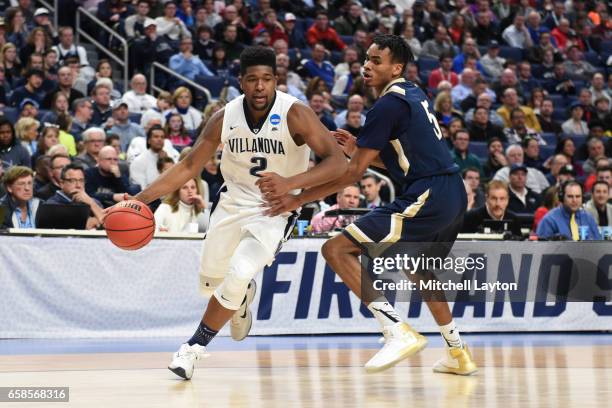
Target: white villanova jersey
268,147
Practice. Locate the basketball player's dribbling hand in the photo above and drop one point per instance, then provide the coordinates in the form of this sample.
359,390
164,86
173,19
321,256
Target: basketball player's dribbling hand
272,185
280,205
105,211
346,140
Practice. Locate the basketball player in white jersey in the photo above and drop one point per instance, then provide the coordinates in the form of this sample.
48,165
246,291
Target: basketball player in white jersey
263,131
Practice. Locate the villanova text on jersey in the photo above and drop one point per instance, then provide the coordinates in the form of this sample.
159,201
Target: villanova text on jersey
256,145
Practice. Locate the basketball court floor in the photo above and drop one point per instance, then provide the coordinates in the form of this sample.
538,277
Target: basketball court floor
516,370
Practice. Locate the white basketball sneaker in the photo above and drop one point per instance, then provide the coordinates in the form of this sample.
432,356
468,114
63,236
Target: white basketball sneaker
401,341
242,320
184,359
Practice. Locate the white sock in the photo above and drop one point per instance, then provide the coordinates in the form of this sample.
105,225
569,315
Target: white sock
450,334
384,313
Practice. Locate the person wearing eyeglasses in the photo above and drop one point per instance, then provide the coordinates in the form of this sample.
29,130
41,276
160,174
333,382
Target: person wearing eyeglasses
106,182
72,191
19,200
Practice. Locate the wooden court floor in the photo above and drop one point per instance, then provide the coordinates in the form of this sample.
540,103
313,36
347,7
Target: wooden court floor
509,376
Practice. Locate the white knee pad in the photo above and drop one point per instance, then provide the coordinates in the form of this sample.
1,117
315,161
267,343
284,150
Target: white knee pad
249,259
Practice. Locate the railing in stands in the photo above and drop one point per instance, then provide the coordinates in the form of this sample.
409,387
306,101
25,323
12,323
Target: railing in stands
80,32
386,180
157,65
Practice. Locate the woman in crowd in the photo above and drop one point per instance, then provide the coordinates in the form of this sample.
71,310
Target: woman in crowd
219,65
182,104
535,101
176,132
575,125
183,210
550,200
11,64
104,69
59,106
566,147
22,206
38,42
531,147
49,137
496,159
63,127
16,28
26,130
443,108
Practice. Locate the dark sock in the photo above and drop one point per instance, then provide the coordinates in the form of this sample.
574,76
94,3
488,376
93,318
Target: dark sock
203,335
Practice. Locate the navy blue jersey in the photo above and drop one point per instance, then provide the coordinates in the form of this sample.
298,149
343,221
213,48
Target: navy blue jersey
402,125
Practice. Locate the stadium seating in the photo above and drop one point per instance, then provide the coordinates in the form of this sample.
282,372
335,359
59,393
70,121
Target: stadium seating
515,54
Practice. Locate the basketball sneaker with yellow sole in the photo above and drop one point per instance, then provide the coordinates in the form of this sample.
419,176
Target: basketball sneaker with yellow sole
458,361
401,342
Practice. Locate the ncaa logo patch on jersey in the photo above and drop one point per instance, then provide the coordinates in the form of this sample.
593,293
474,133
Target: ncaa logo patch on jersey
275,119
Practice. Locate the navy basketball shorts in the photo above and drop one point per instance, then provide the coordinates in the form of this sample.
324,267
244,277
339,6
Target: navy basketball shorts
430,210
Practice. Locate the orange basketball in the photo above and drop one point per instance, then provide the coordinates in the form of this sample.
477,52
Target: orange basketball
130,225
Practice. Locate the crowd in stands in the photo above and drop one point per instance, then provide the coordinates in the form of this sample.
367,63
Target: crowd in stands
521,89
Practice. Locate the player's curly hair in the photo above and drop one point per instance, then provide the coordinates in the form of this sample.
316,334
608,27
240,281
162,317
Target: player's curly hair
398,47
257,55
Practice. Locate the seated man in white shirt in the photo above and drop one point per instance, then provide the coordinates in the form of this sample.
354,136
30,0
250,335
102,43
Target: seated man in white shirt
143,170
137,99
536,181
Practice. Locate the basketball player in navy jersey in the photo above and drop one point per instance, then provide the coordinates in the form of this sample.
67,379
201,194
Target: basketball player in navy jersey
401,134
264,130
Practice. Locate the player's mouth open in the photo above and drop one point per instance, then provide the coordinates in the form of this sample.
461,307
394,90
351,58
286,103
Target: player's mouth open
260,99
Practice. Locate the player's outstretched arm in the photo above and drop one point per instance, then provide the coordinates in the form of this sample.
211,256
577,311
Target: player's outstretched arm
358,165
190,166
305,127
348,143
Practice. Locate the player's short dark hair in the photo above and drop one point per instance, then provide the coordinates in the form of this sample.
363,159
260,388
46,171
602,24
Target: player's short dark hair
398,48
256,55
71,166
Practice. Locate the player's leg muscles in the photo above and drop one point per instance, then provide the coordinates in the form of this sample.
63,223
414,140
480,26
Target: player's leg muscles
342,255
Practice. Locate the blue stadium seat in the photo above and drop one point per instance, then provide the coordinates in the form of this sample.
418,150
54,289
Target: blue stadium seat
135,118
593,58
547,151
550,138
559,114
347,39
606,48
579,85
12,114
513,53
336,57
558,100
579,140
427,64
213,84
424,75
480,149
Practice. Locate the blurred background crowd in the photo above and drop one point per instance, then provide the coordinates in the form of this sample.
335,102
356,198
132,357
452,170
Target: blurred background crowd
521,90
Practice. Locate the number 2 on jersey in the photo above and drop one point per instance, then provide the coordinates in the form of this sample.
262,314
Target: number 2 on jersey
260,164
432,119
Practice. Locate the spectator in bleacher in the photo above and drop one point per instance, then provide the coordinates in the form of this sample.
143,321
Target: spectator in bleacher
440,44
183,210
525,78
281,79
443,73
322,33
270,24
162,104
106,182
16,28
471,178
531,149
182,104
58,162
522,199
562,34
102,110
536,181
143,168
584,99
480,87
152,48
137,99
560,83
212,17
575,125
59,106
318,67
548,124
63,126
353,123
355,104
12,153
66,48
49,137
232,19
187,64
370,188
93,139
83,113
535,100
186,14
464,89
518,130
469,49
138,145
348,197
602,115
508,79
171,26
575,65
134,24
31,90
484,31
536,54
352,20
121,124
26,130
460,152
517,35
219,64
565,220
595,149
42,19
72,183
5,88
495,208
511,102
492,63
443,108
558,13
484,100
599,88
297,39
28,108
598,205
349,55
204,43
233,47
19,199
481,129
10,62
550,200
176,132
555,164
37,42
65,81
533,22
344,83
317,104
104,70
414,43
